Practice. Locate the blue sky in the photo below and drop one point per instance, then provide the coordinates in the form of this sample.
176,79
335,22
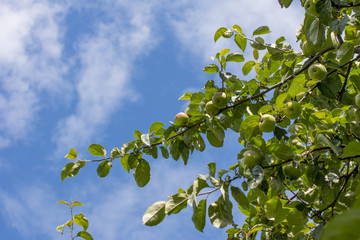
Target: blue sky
74,73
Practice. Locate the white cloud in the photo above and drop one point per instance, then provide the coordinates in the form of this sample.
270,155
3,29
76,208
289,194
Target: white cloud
29,63
106,61
32,210
196,24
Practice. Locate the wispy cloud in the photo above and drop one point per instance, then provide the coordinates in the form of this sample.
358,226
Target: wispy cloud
32,210
30,63
106,64
196,24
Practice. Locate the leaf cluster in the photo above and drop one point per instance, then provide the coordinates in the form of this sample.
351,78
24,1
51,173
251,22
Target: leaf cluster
307,177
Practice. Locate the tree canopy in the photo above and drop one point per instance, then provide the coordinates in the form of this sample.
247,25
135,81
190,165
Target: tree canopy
297,116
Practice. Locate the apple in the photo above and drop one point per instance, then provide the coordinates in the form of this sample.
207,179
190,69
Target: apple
284,123
357,100
251,158
317,71
181,119
219,100
267,123
292,110
210,108
292,172
308,49
310,8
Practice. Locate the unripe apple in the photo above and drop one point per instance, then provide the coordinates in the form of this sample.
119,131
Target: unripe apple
317,71
357,100
181,119
292,172
251,158
267,123
292,110
210,108
219,100
308,49
310,8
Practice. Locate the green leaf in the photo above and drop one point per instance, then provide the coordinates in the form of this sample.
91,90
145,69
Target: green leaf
345,53
69,223
330,86
273,208
197,97
281,151
285,3
63,202
156,126
240,41
176,203
137,134
81,220
213,139
184,151
199,184
199,215
148,138
154,214
219,33
185,96
316,33
247,67
338,25
199,143
71,169
61,228
125,163
240,197
235,57
224,51
97,150
249,126
323,140
142,173
164,152
261,30
85,235
77,203
352,149
212,168
211,68
220,213
72,154
115,153
104,168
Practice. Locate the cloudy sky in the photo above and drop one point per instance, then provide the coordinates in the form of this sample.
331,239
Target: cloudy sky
74,73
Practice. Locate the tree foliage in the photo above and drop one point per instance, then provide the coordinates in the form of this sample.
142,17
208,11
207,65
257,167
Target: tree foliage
302,183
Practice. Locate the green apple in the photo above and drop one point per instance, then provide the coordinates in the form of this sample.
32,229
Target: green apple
292,172
219,100
292,110
284,123
357,100
210,108
267,123
310,8
251,158
308,49
317,71
181,119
